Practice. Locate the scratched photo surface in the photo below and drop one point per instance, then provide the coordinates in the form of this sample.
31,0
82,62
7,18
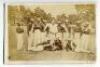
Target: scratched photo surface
51,32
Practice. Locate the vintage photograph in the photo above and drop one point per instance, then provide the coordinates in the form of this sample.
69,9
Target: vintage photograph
50,33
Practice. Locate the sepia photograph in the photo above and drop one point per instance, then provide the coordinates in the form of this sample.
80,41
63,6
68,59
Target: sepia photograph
49,33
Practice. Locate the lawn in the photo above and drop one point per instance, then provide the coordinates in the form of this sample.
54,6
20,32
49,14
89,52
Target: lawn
43,55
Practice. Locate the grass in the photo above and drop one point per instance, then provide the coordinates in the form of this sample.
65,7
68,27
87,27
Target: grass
43,55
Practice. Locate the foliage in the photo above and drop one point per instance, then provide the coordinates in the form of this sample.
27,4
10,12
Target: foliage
19,14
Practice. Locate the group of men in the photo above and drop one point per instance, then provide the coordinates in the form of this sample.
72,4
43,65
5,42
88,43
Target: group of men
54,35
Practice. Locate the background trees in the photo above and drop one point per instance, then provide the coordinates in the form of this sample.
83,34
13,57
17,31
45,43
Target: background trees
87,12
19,14
12,11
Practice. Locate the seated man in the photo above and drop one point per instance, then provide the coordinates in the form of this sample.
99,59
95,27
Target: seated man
70,46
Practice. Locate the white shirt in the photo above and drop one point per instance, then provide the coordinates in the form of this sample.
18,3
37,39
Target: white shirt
52,27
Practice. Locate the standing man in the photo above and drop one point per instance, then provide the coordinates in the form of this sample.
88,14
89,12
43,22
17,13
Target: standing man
19,35
52,31
85,37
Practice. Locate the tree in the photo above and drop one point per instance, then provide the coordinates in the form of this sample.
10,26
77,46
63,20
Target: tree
40,13
62,18
87,11
73,18
12,12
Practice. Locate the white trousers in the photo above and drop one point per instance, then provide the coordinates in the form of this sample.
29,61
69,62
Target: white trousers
84,42
37,37
30,40
77,41
20,41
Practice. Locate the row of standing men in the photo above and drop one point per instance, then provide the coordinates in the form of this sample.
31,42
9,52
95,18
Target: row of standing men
53,31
